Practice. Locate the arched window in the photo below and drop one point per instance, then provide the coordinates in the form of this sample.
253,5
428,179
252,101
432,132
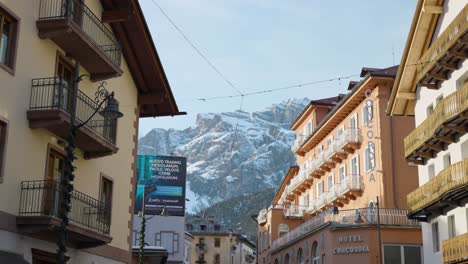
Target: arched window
286,259
315,254
300,257
217,259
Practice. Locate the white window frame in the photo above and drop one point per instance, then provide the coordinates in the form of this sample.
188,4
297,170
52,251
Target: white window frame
366,117
330,185
342,176
435,237
356,118
319,188
355,157
369,164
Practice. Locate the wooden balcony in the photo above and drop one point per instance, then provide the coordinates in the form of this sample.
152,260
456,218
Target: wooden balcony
441,194
446,54
455,250
50,109
80,33
445,125
38,215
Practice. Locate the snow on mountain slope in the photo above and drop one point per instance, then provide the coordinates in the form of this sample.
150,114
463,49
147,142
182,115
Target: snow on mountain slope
230,154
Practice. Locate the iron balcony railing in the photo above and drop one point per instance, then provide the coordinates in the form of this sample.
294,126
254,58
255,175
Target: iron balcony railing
79,14
56,93
450,178
349,135
452,105
361,216
297,180
293,211
349,183
455,250
321,200
262,216
442,44
42,198
332,194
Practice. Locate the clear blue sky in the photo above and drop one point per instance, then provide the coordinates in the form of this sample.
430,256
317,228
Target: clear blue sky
263,44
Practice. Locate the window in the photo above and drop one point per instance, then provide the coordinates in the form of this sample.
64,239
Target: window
217,259
300,257
319,188
399,254
370,156
315,256
447,160
452,230
435,237
331,181
353,121
431,171
330,142
286,259
217,242
203,227
8,39
439,99
355,165
106,192
3,130
367,112
342,173
340,132
429,110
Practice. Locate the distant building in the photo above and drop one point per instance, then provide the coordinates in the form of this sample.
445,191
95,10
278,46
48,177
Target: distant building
432,86
348,154
214,243
187,247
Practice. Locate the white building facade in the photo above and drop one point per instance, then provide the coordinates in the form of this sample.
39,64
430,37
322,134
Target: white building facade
432,85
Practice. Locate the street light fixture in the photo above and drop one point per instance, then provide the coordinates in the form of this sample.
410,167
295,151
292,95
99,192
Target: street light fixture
110,112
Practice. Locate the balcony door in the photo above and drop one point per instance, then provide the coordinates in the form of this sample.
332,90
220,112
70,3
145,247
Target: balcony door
64,72
54,178
73,9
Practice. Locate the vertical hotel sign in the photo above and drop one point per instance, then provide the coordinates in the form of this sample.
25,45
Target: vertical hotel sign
168,174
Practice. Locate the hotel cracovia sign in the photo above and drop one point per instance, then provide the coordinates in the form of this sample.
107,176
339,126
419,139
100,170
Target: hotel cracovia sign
351,249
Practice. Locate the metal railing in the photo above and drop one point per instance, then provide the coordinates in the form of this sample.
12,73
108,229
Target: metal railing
349,183
321,200
79,14
451,177
455,250
361,216
56,93
297,181
262,216
441,45
332,194
452,105
293,211
42,198
349,135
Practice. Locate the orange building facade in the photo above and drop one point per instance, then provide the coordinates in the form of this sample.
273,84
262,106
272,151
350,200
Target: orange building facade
345,201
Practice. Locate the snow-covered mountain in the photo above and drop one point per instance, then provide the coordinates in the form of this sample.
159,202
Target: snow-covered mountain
230,154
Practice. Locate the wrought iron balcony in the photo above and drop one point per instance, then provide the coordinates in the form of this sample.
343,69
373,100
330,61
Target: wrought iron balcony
300,182
49,108
349,141
39,214
350,187
441,194
79,32
321,201
455,250
442,127
361,216
445,55
293,211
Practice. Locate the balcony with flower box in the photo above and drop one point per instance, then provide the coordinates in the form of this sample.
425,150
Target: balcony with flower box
441,194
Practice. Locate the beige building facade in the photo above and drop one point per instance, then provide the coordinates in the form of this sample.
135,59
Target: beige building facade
432,86
41,43
213,243
348,156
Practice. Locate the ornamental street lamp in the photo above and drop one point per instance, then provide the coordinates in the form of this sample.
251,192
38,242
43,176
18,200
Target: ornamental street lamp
110,112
